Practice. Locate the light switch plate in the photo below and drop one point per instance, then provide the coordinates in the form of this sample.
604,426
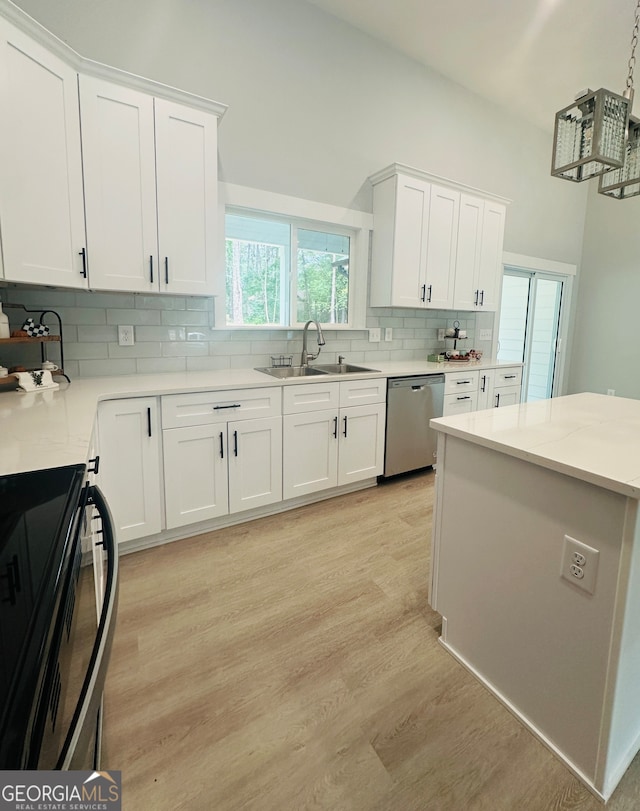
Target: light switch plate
374,335
485,335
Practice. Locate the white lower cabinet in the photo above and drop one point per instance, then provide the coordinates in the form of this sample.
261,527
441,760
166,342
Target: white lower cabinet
499,387
223,462
332,446
130,471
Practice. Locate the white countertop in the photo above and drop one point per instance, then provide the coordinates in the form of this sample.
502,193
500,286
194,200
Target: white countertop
53,428
592,437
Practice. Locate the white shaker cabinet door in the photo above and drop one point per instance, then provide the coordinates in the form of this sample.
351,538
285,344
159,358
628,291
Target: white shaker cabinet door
444,213
187,181
490,268
255,463
310,452
195,474
466,292
120,186
130,471
410,243
361,453
41,197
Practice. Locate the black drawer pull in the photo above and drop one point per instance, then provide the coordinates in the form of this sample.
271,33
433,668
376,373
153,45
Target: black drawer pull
462,382
509,377
96,464
463,398
234,405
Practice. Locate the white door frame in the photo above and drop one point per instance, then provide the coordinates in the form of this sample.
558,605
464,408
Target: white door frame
547,267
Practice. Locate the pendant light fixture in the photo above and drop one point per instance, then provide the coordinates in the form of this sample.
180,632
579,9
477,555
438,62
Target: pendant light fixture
592,136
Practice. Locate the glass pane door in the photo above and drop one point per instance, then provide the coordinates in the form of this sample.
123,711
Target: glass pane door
529,322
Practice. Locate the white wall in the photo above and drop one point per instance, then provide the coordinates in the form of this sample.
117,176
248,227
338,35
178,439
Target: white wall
316,106
605,348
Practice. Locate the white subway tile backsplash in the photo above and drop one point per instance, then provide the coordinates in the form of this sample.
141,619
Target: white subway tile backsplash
160,333
100,333
139,350
158,302
146,366
175,333
135,317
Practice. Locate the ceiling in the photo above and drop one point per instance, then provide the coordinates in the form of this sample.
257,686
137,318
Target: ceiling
531,56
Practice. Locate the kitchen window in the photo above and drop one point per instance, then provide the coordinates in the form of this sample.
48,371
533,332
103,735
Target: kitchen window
284,272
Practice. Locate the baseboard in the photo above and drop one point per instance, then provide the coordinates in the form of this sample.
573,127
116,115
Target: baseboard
188,531
528,724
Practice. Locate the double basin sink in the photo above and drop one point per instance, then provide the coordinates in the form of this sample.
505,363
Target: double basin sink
310,371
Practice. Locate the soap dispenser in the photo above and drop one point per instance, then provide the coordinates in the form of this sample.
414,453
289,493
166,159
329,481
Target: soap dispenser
4,324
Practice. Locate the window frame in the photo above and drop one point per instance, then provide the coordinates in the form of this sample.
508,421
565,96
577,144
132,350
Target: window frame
300,213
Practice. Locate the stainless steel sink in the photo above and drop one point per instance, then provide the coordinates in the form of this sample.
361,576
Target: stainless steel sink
343,369
291,371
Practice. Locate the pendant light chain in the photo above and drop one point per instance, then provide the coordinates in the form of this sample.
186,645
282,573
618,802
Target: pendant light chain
634,42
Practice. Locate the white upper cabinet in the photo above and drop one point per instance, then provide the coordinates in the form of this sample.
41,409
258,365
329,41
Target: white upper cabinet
434,244
187,181
120,186
150,171
41,201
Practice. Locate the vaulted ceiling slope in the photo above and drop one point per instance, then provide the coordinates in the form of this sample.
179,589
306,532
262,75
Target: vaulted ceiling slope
531,56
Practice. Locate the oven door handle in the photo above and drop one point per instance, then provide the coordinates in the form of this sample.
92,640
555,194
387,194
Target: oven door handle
91,695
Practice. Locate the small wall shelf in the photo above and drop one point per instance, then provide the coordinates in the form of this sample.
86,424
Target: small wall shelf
42,340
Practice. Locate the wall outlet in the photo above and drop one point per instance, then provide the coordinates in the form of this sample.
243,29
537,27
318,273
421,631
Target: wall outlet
441,335
611,392
579,564
374,335
485,335
125,336
388,334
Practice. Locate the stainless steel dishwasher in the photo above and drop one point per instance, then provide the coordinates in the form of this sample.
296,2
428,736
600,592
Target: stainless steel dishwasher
411,402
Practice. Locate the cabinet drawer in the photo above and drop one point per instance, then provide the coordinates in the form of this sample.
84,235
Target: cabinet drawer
463,381
459,403
361,392
318,396
508,376
204,408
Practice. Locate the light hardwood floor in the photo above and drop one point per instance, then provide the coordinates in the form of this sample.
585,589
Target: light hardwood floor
293,663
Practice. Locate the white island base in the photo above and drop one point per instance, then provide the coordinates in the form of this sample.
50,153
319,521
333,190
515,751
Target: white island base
563,660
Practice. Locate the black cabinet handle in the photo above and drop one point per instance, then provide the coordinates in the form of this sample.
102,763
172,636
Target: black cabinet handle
498,400
484,383
149,421
423,294
83,254
344,433
462,382
151,268
509,377
482,298
221,445
235,443
476,300
96,464
429,289
468,397
166,270
335,427
233,405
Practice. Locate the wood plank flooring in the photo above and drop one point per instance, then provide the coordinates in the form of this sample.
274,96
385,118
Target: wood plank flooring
293,663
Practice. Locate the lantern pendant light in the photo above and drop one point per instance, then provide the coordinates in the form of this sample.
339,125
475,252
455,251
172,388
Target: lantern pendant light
591,135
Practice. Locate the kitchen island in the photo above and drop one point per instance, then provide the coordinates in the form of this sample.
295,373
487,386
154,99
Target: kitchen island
550,626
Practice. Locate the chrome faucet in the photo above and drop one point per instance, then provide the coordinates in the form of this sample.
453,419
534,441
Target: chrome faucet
306,357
